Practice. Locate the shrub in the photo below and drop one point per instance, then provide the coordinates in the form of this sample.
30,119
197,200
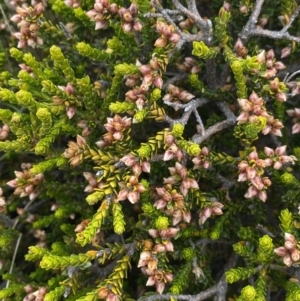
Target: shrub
154,147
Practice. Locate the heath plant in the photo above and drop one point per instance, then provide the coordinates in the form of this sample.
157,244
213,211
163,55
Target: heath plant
149,150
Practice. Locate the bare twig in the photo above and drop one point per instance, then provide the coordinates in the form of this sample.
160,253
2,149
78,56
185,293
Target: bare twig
199,120
188,109
288,79
225,110
13,259
292,19
218,127
277,35
264,230
250,28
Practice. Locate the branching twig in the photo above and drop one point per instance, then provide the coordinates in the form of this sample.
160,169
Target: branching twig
250,28
188,109
292,19
277,35
288,79
218,127
199,120
193,14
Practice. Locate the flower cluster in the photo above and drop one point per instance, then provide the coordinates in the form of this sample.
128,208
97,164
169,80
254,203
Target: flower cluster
136,165
69,91
75,151
32,295
171,202
278,89
136,95
295,113
159,278
173,150
151,73
168,35
149,262
115,127
131,190
179,173
290,252
177,95
253,109
277,157
93,182
129,18
27,22
202,159
26,184
102,12
270,62
215,208
189,66
252,170
294,86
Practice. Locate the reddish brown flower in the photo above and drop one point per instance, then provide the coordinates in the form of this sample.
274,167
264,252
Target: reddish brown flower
159,278
290,252
26,184
130,190
102,11
215,208
168,34
75,151
115,127
177,95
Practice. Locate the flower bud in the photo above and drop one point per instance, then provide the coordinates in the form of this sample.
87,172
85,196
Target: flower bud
295,255
244,9
227,6
127,17
286,52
